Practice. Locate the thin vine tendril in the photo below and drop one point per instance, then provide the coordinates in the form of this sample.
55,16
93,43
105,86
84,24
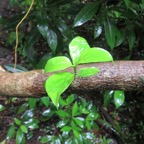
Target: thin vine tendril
17,27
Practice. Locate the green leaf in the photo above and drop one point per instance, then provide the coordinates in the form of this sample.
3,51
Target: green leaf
17,121
52,40
44,60
88,124
24,128
119,98
127,3
43,29
86,13
46,139
110,33
2,107
66,129
11,132
32,102
57,64
76,47
19,137
31,123
56,84
120,36
95,55
62,123
131,39
65,30
92,116
22,108
62,102
108,97
79,121
45,101
77,134
75,109
28,114
87,72
62,114
46,112
97,31
70,99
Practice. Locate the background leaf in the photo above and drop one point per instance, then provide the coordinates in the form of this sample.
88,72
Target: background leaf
110,33
86,14
52,40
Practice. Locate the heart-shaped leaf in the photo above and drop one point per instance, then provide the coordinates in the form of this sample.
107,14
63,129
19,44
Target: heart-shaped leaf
76,47
57,63
87,72
56,84
95,55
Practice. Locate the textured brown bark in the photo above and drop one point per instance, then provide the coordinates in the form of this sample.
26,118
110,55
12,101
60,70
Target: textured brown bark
119,75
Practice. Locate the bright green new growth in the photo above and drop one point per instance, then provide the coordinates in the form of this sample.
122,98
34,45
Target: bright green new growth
80,53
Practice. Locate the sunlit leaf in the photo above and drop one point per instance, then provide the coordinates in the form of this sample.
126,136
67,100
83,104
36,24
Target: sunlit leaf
44,60
76,47
119,98
95,55
86,14
57,63
56,84
87,72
